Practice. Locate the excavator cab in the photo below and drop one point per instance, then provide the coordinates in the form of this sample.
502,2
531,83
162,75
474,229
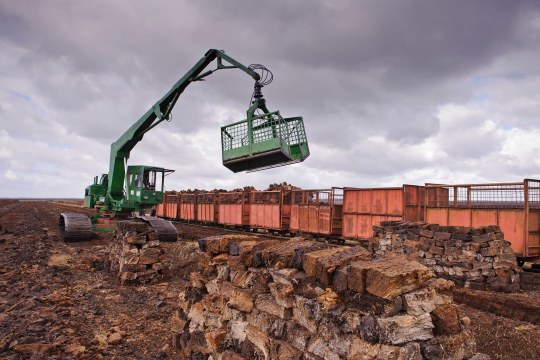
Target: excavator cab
145,184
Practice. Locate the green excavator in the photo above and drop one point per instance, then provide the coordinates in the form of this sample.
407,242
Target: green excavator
264,139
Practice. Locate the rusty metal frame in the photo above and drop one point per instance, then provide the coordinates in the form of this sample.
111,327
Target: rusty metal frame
284,198
406,203
166,201
334,201
201,198
521,196
244,208
189,199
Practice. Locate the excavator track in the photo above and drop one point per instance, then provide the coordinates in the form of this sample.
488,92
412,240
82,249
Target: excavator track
164,229
78,227
74,227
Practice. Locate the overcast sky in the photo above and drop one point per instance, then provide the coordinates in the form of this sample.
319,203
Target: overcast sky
391,92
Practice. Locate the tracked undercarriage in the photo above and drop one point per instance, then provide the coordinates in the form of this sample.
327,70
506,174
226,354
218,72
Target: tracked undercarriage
78,227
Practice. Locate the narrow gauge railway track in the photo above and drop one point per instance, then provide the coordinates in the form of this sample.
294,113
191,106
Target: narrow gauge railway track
229,230
266,235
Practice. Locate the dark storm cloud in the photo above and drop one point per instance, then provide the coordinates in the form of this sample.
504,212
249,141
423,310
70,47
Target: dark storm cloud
410,41
409,38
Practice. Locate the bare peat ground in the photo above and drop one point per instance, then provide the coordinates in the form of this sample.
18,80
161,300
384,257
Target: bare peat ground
503,338
57,301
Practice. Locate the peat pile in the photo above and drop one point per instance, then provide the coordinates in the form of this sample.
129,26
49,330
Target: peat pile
254,299
478,258
135,254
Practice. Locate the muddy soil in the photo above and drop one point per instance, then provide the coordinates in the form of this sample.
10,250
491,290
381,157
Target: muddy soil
57,301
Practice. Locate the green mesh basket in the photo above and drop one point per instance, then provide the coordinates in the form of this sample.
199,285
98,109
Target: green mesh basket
263,141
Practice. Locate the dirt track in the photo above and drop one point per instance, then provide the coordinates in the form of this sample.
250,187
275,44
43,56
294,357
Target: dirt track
57,301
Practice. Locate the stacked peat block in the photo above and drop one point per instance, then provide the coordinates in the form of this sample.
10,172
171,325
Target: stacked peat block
135,253
299,299
514,306
478,258
530,281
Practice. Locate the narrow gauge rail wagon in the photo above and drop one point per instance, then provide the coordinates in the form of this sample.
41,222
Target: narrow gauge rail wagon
187,211
514,207
234,209
207,207
317,212
351,213
170,208
160,208
364,208
270,210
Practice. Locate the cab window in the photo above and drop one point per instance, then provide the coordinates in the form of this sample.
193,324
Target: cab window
149,180
138,180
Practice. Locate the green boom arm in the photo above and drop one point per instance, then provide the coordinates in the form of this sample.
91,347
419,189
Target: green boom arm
121,148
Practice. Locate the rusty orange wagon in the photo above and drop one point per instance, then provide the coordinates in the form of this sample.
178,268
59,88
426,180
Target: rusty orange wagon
160,208
170,208
364,208
270,210
207,207
513,206
186,207
317,212
233,208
